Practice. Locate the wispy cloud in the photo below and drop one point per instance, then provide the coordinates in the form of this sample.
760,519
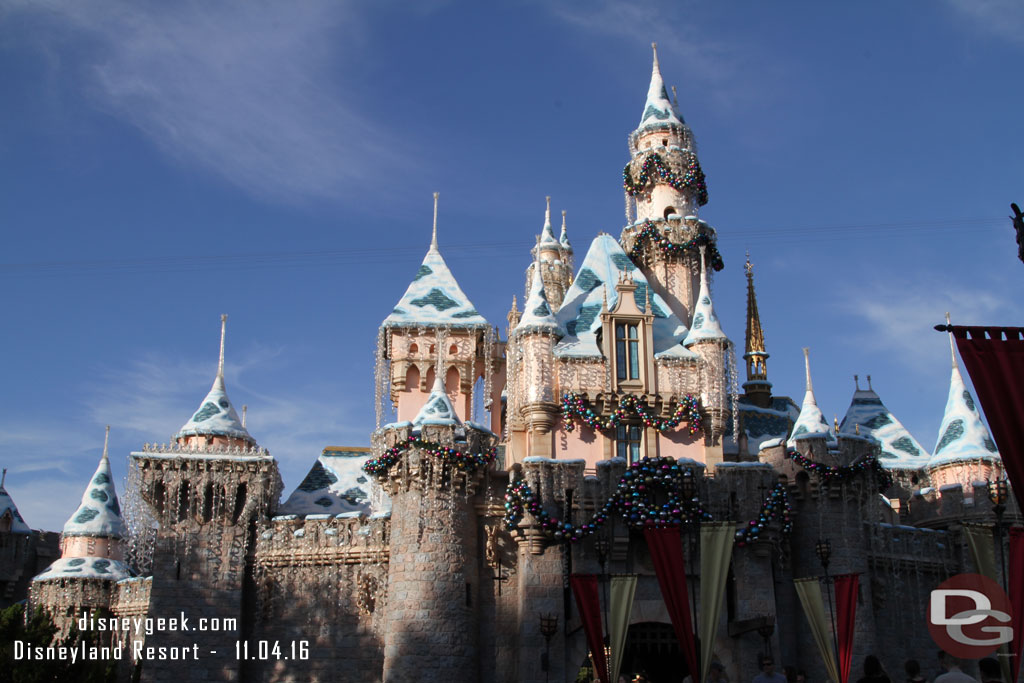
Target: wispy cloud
1002,18
895,313
251,91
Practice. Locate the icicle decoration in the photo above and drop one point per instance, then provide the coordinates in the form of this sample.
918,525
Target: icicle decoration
379,378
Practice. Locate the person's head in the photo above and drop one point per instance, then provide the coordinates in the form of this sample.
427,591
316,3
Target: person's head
912,668
990,669
767,665
943,658
801,676
872,667
716,671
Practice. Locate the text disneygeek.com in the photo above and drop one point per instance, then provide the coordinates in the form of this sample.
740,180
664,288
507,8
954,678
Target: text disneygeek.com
130,632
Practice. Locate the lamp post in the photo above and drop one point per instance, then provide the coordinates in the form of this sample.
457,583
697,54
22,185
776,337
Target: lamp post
999,493
766,631
823,549
548,627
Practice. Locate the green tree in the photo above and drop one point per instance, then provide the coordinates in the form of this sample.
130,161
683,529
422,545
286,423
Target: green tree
39,631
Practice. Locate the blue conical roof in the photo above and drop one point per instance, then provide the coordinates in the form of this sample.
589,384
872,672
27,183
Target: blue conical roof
705,325
434,298
7,505
658,108
867,413
438,410
962,434
811,420
99,514
537,315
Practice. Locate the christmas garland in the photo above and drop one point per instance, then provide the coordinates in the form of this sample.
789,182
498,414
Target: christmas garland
649,233
775,505
829,474
468,462
653,164
575,408
633,501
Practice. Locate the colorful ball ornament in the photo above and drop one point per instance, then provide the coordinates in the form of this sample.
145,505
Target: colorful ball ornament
650,233
467,462
654,166
575,408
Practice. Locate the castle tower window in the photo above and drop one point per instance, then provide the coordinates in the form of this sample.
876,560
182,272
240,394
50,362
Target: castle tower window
627,351
627,442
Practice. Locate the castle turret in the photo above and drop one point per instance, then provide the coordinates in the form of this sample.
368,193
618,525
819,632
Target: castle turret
204,494
707,339
11,520
757,389
811,419
666,186
532,342
435,311
553,258
432,620
964,452
91,553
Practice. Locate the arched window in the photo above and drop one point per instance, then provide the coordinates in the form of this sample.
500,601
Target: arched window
627,351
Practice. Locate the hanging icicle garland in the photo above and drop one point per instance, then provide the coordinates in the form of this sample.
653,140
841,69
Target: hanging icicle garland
469,462
830,474
775,506
654,164
650,233
575,408
634,501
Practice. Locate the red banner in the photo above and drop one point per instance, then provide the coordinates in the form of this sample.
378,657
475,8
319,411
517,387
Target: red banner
584,587
996,367
666,548
1016,570
846,617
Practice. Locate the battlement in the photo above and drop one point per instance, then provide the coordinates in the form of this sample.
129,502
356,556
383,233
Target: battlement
950,505
316,540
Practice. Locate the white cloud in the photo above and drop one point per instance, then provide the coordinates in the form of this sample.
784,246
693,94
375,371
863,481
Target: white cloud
897,314
251,91
1003,18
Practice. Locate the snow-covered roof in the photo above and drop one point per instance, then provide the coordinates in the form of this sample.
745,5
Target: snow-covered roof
215,416
580,313
962,434
438,410
7,505
537,315
705,325
811,421
434,298
658,109
899,449
86,568
99,514
337,484
761,424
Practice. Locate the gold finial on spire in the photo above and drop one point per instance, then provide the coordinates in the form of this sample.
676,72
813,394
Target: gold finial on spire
835,423
757,366
106,442
245,409
856,429
433,237
223,327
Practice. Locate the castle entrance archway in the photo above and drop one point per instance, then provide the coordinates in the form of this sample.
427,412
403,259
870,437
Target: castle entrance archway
652,648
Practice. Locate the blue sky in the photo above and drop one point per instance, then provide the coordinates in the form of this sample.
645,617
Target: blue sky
163,163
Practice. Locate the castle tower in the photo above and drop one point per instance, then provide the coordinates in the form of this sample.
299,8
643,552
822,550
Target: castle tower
531,344
432,618
435,317
666,186
757,389
205,493
553,258
11,521
91,553
707,339
964,452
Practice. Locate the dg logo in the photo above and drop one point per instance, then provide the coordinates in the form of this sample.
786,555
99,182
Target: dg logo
969,616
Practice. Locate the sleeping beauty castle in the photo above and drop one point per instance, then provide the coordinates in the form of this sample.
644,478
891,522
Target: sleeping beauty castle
590,488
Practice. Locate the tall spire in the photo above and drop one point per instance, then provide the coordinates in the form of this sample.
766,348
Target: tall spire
433,236
757,388
106,443
807,371
223,329
547,234
952,344
563,239
99,514
658,107
537,314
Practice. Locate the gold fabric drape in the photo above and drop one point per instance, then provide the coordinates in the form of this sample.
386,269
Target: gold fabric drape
809,590
622,590
716,540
